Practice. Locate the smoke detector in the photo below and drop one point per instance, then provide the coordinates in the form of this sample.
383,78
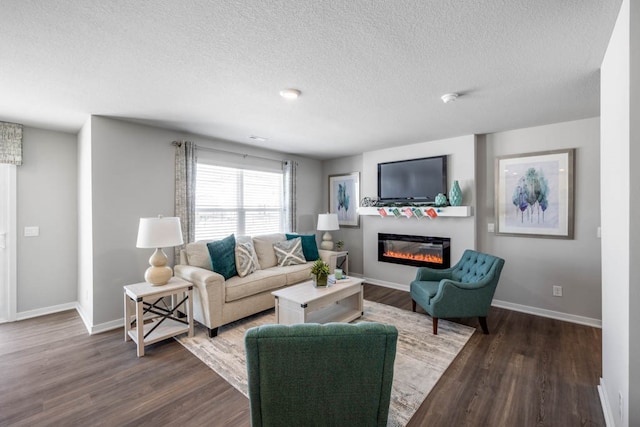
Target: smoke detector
449,97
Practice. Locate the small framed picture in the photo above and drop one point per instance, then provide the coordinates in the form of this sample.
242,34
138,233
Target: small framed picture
534,194
344,198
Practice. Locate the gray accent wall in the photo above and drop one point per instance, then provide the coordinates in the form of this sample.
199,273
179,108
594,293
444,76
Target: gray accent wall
533,265
132,176
352,236
46,198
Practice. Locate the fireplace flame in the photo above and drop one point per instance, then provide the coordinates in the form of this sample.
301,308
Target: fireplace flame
434,259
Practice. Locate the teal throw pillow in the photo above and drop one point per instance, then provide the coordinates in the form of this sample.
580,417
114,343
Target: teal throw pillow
309,246
223,256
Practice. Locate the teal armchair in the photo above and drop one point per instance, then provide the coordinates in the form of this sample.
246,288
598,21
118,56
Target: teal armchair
336,374
464,290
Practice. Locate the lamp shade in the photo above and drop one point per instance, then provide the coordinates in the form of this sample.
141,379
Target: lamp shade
160,232
328,222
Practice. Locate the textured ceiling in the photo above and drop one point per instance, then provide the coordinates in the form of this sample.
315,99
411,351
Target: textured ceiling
371,72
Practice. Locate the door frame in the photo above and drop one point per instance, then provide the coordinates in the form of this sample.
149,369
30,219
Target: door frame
11,249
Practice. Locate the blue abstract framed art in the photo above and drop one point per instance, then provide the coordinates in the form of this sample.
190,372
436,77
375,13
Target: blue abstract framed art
534,194
344,198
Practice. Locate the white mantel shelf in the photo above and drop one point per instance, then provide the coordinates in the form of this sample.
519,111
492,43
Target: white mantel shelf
444,211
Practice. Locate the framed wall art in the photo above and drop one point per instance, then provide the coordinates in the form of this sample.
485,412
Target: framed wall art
344,198
534,194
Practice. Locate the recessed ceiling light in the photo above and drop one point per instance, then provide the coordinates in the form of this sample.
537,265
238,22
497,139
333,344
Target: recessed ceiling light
259,138
290,93
449,97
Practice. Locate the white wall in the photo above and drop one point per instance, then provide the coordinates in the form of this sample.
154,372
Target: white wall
620,134
460,166
46,198
534,265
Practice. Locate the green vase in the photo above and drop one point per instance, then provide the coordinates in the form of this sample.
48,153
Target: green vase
455,194
320,281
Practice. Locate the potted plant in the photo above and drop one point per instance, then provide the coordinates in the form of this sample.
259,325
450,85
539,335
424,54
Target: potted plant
340,244
320,273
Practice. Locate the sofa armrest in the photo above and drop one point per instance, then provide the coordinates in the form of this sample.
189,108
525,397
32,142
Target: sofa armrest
209,295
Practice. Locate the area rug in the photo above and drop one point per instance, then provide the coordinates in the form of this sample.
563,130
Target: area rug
421,357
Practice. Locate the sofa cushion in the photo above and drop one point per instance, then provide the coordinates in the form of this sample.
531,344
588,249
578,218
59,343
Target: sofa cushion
263,245
198,255
238,287
246,259
309,245
223,256
289,252
297,273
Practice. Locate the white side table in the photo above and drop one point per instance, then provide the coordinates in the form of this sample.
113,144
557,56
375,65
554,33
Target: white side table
142,299
337,259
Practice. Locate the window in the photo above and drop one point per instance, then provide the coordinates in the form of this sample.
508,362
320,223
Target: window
239,201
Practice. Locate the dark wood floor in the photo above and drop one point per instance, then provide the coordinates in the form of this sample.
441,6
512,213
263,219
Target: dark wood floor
529,371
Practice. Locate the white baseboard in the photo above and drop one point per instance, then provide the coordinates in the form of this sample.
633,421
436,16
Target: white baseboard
92,329
606,407
107,326
102,327
597,323
398,286
581,320
46,310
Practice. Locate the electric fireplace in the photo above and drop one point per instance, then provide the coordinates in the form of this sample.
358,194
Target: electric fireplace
419,251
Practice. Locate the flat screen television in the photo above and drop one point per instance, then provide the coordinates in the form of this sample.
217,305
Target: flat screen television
415,180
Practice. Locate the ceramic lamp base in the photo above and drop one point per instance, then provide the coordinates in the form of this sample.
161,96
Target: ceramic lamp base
159,273
327,242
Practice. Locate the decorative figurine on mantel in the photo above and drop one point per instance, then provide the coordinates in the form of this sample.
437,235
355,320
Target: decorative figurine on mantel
440,200
455,194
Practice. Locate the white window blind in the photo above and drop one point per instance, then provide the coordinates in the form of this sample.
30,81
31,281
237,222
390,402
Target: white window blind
239,201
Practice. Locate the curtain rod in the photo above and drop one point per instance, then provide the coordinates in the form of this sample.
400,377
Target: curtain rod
244,155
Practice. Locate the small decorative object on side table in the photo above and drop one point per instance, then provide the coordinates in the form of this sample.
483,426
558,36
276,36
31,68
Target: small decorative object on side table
165,324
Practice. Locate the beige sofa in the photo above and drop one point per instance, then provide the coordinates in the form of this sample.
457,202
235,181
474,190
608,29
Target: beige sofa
217,301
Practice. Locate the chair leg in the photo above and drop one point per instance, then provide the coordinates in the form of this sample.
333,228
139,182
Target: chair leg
435,326
483,325
413,305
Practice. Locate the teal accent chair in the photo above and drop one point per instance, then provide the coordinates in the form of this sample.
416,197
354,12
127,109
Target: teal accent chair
464,290
336,374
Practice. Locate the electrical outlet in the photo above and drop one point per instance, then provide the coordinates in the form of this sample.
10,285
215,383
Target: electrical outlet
491,228
557,291
31,231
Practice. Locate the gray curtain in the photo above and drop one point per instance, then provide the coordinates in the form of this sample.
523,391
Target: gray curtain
10,143
185,183
289,167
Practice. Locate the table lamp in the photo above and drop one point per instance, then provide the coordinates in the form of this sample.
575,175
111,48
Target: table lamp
158,233
327,222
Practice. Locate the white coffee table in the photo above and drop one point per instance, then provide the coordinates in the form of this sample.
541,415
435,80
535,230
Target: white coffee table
304,303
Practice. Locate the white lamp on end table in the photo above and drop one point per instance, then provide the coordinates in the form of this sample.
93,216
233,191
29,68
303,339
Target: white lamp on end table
160,232
327,222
